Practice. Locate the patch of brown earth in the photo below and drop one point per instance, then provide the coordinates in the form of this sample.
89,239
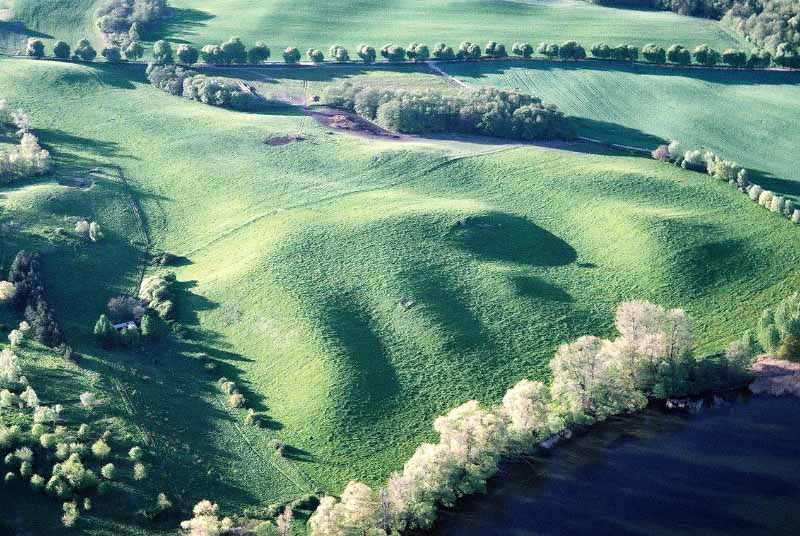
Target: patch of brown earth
776,377
276,141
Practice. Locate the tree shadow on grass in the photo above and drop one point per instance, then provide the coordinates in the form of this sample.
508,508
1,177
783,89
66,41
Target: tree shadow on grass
790,187
57,140
735,77
180,22
501,236
538,289
19,28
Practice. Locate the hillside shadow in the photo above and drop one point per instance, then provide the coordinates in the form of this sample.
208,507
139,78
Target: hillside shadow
500,236
330,72
373,382
538,289
56,140
715,76
181,21
616,133
778,185
19,28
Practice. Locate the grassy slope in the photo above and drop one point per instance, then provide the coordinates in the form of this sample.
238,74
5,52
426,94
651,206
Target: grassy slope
313,24
51,20
735,113
301,253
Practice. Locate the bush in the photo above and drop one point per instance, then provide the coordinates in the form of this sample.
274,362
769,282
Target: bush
485,111
315,55
443,52
233,51
522,49
212,54
679,55
100,449
139,471
571,50
601,50
187,54
467,50
35,48
109,471
162,52
734,58
549,50
291,55
236,400
134,51
112,54
367,53
393,53
259,53
84,51
494,49
418,52
704,55
61,50
654,53
338,53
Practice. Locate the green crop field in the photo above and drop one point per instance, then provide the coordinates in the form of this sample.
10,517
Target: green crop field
312,24
299,257
733,112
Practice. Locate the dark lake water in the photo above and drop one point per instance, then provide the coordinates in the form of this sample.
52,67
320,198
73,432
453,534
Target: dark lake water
727,470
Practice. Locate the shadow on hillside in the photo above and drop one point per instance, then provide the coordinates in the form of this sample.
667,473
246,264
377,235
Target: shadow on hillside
310,73
616,133
538,289
714,76
57,140
19,28
372,380
181,22
790,187
500,236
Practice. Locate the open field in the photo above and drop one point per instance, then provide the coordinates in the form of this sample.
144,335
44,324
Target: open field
312,24
49,20
299,257
735,113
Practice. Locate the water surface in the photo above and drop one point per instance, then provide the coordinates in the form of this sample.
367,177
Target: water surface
730,469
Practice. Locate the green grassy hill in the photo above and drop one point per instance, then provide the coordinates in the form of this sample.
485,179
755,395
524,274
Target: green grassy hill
303,259
313,24
742,115
49,20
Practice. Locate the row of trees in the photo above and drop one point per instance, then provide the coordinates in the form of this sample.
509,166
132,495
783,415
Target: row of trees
189,84
486,111
123,21
592,380
779,329
84,51
705,161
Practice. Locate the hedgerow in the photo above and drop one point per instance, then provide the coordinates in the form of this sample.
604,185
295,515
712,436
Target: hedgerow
491,112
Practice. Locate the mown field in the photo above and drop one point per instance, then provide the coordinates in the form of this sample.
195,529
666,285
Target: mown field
313,24
735,113
298,258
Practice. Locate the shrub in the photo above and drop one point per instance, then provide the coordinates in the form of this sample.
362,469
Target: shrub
315,55
109,471
338,53
134,51
105,333
187,54
366,53
212,54
136,454
494,49
7,291
35,48
112,54
467,50
680,55
418,52
25,469
704,55
84,51
393,53
549,50
734,58
100,449
234,51
443,52
654,53
259,53
522,49
236,400
61,50
601,50
571,50
71,513
291,55
37,483
139,471
162,52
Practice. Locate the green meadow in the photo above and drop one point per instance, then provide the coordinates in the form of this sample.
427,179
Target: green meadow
356,288
308,24
733,112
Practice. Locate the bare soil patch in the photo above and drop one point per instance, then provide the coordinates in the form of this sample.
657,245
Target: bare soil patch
276,141
350,122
